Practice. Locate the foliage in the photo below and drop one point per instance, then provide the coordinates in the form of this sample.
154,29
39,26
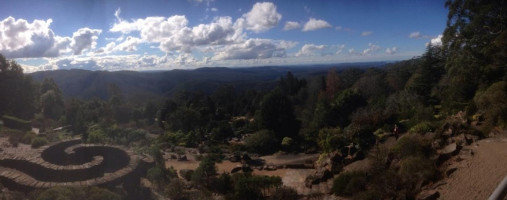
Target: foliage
283,193
348,183
247,186
422,127
263,142
331,139
16,123
174,190
411,145
39,141
17,91
75,193
204,172
493,103
277,114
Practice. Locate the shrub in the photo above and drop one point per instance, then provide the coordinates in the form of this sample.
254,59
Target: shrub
331,139
174,190
28,137
16,123
415,168
284,192
38,142
411,145
348,183
263,142
96,193
422,127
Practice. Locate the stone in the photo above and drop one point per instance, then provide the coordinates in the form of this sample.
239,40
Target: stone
428,195
449,171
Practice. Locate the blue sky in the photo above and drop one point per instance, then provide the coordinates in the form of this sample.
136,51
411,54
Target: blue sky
159,35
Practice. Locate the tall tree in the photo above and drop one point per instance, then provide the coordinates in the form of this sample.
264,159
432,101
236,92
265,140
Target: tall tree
476,42
17,91
277,114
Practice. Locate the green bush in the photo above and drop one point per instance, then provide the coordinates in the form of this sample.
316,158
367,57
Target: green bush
349,183
16,123
38,142
415,168
411,145
422,127
28,137
263,142
283,193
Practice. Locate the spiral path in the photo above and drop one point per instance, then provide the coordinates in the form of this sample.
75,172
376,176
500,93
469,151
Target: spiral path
71,163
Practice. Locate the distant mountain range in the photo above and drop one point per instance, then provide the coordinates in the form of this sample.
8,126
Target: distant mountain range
153,85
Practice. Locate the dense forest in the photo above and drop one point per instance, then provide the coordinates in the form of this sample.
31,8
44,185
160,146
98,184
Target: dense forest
324,111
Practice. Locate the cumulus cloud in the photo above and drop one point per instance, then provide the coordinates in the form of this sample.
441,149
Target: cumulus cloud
391,50
173,34
366,33
291,25
251,49
22,39
84,38
437,41
262,17
311,49
315,24
372,48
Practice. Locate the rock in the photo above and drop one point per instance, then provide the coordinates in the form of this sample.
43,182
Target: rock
270,167
174,156
451,149
246,158
449,171
234,158
236,169
182,158
428,195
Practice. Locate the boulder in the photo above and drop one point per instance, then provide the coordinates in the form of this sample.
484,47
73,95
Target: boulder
182,158
428,195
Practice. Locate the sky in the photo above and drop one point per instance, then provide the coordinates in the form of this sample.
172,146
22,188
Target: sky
184,34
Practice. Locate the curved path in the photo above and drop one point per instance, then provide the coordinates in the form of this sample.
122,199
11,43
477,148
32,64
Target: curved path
69,163
477,175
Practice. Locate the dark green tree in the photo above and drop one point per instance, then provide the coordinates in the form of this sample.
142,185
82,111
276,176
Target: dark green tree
277,114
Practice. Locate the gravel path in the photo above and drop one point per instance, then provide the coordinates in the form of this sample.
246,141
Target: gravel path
479,174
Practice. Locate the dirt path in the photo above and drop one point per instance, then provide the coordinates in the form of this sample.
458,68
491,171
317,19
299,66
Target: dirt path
479,174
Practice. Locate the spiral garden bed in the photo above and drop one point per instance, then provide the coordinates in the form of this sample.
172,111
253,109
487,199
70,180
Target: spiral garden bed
71,163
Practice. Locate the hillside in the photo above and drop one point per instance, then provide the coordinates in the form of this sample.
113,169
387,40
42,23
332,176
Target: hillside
86,84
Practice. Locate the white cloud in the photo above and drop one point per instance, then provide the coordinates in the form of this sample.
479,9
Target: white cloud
340,49
129,44
437,41
251,49
291,25
418,35
415,35
391,50
214,9
352,51
315,24
173,34
366,33
372,48
311,49
84,38
21,39
262,17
